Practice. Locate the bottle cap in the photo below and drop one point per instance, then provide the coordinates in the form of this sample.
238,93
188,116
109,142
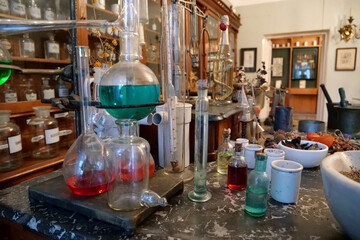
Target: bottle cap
261,156
238,146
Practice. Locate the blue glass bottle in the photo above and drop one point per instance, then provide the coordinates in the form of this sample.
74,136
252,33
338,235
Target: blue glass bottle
257,188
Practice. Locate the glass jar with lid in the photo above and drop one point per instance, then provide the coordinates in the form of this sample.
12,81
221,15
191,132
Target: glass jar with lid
4,6
18,8
10,143
44,134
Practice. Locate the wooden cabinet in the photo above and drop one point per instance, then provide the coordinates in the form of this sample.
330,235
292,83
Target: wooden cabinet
296,62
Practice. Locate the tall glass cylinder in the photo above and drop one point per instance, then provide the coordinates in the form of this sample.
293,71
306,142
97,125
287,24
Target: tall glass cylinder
84,163
200,194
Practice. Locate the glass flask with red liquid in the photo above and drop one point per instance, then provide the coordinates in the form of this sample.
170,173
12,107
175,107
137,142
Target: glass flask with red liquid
130,167
84,163
237,169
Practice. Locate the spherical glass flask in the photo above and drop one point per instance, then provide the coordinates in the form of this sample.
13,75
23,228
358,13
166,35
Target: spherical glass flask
5,58
128,83
10,143
130,169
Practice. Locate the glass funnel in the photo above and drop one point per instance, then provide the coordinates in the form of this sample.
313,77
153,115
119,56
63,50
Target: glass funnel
5,58
129,82
84,163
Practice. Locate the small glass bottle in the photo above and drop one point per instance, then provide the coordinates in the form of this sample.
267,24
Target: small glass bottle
29,93
200,194
10,143
63,90
52,48
27,48
237,169
49,12
257,188
224,153
9,94
47,92
18,8
4,6
44,134
34,11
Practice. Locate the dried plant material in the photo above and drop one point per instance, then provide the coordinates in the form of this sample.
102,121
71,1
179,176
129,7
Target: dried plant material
354,174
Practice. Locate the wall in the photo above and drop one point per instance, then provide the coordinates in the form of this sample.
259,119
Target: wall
300,16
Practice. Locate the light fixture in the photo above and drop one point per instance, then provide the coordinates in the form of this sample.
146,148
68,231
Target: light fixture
349,31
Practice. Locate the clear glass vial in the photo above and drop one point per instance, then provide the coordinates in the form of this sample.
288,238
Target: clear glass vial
29,92
34,11
52,48
9,94
237,169
63,90
10,143
4,6
224,153
18,8
27,46
49,12
47,92
44,134
257,188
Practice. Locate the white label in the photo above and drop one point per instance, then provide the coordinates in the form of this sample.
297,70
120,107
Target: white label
35,12
49,93
63,92
52,135
4,5
29,46
10,97
4,146
278,84
15,144
54,48
30,97
61,115
37,138
302,84
18,8
49,15
65,132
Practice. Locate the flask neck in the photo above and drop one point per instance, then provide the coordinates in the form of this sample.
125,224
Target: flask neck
129,47
260,165
202,93
224,41
127,128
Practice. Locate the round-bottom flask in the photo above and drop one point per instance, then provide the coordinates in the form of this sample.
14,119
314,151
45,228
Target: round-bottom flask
44,132
130,168
10,143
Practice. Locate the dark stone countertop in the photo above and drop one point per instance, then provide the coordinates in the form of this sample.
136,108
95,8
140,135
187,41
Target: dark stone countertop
222,217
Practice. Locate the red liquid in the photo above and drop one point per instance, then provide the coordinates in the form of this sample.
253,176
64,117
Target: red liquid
135,173
89,184
237,178
151,166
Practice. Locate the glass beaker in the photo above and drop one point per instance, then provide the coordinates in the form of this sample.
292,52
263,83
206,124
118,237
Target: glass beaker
44,134
84,163
129,81
130,169
10,143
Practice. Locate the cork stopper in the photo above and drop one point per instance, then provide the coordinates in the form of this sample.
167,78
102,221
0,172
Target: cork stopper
261,156
238,147
226,132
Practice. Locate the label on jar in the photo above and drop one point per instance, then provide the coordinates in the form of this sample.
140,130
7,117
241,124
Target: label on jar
10,97
4,146
4,5
49,15
65,132
49,93
18,8
30,96
52,135
15,144
61,115
35,12
63,92
53,48
29,46
37,138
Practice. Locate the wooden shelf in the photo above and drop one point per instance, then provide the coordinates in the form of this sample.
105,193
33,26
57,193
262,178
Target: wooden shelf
32,168
2,15
303,91
99,13
23,108
42,60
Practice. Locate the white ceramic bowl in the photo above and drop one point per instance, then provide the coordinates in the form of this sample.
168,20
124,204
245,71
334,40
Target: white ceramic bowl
307,158
343,193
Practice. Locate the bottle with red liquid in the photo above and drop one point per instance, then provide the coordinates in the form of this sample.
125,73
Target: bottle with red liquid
130,166
84,163
237,169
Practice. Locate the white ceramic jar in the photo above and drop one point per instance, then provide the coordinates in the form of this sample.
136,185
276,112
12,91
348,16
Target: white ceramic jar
250,151
273,154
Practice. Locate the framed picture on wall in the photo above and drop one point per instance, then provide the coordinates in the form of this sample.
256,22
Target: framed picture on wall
248,59
278,66
304,64
345,59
